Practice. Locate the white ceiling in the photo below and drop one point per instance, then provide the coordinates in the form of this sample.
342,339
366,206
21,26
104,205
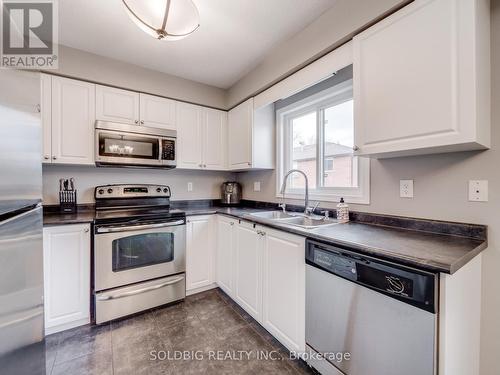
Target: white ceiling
234,36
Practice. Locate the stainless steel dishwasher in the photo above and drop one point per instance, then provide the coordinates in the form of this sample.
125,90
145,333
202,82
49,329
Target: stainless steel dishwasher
365,316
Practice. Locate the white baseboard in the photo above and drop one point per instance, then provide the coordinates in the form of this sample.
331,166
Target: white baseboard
201,289
66,326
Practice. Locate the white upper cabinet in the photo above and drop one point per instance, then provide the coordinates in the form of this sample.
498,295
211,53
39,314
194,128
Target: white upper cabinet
214,125
72,121
189,136
250,137
201,137
421,80
46,116
117,105
129,107
157,112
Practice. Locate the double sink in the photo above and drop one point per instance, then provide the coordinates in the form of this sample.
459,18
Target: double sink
294,219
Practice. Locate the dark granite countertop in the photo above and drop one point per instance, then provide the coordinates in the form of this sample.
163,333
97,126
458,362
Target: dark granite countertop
83,215
426,244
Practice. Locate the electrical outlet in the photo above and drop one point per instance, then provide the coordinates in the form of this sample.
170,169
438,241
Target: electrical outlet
478,190
256,186
406,188
190,186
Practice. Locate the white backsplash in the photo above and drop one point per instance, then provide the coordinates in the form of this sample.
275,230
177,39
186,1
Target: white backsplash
206,184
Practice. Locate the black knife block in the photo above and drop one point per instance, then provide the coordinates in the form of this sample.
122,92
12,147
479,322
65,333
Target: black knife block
67,201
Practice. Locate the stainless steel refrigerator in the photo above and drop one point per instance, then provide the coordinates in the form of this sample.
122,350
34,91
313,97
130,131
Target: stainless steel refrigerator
21,252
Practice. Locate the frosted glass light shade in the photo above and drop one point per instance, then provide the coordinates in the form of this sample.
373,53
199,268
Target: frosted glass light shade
164,19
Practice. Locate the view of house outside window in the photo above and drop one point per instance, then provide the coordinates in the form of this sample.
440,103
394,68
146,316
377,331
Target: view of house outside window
318,139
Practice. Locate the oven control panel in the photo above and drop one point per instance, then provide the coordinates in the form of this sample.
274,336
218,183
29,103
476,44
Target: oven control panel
132,191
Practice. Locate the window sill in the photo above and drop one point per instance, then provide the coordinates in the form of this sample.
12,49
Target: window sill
357,199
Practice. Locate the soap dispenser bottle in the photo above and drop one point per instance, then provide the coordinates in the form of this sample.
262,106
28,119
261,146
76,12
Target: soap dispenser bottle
343,211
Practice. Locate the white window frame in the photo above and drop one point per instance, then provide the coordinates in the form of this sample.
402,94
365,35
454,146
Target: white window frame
326,98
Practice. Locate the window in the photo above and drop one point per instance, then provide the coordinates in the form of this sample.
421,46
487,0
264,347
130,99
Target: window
316,136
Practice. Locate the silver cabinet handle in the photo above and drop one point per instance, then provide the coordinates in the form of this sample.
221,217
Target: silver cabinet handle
86,230
204,165
200,165
38,108
355,148
231,223
46,157
136,121
249,164
54,158
138,227
107,297
142,122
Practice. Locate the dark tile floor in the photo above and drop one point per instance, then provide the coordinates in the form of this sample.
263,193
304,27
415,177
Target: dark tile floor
204,325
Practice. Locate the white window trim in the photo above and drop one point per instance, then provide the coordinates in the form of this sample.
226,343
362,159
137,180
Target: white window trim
360,194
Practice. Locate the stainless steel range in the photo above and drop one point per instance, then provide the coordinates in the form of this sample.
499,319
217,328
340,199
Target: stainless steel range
139,250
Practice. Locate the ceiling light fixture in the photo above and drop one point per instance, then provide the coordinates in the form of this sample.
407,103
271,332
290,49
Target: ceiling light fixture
164,19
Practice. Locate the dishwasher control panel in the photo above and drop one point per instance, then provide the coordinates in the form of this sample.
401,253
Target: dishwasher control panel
413,286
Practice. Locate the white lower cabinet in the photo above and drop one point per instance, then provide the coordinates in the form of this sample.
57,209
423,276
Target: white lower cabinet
283,288
263,270
66,263
200,252
248,269
225,254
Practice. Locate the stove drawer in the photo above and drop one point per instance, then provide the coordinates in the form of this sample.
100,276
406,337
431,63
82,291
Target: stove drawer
119,302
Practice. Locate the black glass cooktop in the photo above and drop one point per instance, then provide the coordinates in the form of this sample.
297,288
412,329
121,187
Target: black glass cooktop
137,214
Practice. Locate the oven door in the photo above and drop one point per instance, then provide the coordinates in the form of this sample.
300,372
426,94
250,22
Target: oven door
122,148
129,254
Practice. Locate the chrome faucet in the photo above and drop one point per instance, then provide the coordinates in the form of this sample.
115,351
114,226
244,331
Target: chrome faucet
307,209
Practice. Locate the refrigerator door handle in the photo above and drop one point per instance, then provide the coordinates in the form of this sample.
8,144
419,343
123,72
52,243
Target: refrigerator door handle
21,213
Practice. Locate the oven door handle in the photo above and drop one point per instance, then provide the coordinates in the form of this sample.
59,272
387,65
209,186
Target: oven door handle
138,227
107,297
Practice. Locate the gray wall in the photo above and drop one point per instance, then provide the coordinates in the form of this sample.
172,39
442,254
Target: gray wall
84,65
440,193
332,28
206,184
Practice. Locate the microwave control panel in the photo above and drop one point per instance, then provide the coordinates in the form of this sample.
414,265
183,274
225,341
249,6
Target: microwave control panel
167,149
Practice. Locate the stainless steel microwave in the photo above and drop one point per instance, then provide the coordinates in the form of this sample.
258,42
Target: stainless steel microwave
123,145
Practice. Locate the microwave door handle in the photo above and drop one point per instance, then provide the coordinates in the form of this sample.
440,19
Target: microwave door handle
138,227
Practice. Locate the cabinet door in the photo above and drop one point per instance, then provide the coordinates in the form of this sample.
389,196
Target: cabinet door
248,269
200,252
214,139
66,261
225,255
284,288
240,122
45,107
117,105
414,80
189,136
157,112
73,118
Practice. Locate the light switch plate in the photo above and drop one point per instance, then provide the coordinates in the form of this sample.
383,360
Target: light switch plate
478,190
190,186
406,188
256,186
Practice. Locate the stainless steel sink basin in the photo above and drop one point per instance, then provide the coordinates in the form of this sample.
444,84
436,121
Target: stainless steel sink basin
294,219
307,222
273,215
